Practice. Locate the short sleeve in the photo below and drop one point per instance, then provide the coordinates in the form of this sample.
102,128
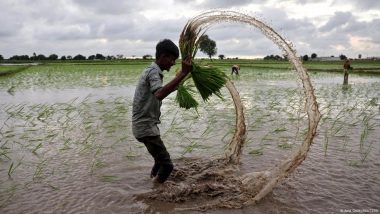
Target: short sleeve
155,80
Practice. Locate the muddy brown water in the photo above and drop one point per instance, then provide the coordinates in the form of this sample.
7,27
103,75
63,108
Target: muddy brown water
73,151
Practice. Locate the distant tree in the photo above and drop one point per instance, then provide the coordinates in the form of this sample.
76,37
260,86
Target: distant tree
147,56
53,57
100,56
342,57
41,57
360,56
305,58
1,57
207,46
110,57
313,55
69,57
119,56
63,57
221,56
79,57
273,57
269,57
21,57
33,57
91,57
24,57
15,57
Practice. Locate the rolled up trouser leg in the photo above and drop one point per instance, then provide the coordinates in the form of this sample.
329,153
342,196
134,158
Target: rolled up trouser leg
163,165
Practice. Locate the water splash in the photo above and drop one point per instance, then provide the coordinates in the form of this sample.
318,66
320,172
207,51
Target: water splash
215,181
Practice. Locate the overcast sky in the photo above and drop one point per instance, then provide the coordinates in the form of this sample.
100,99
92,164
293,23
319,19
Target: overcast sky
133,27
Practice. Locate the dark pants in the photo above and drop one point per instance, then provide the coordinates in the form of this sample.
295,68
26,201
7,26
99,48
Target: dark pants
345,79
163,166
234,70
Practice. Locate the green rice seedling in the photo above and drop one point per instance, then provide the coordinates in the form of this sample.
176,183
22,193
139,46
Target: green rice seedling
286,145
366,153
51,186
227,134
131,155
190,148
99,149
4,150
281,129
365,132
185,98
65,145
100,164
210,126
208,80
139,145
256,152
338,129
38,173
354,163
86,140
34,151
325,145
12,168
97,164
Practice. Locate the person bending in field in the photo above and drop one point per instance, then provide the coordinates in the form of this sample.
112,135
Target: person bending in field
235,69
346,68
147,101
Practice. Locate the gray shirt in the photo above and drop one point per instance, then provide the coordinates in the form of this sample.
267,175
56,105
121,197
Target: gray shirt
146,107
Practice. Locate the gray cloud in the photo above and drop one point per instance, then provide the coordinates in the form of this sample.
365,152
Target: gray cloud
11,19
112,7
228,3
308,1
69,27
337,21
360,4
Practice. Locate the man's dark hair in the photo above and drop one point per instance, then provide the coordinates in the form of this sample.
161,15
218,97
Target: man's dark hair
166,46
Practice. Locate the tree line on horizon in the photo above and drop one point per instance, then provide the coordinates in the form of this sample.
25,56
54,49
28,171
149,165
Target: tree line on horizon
206,45
40,57
304,57
98,56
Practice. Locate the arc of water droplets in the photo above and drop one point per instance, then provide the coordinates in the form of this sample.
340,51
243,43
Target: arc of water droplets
273,176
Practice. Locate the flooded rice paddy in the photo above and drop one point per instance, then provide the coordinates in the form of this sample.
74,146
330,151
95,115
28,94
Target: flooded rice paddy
67,146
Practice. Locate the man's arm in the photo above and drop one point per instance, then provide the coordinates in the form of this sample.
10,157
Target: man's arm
172,85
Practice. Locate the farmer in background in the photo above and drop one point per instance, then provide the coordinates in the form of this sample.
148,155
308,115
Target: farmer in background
346,68
235,69
147,103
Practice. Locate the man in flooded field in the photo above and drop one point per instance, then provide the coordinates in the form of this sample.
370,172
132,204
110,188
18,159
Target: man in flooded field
346,68
235,69
147,102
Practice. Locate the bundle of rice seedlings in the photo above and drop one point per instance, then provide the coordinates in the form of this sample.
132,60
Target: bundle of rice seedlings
185,98
207,80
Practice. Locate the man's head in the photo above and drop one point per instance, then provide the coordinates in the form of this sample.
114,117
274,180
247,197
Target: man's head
166,54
